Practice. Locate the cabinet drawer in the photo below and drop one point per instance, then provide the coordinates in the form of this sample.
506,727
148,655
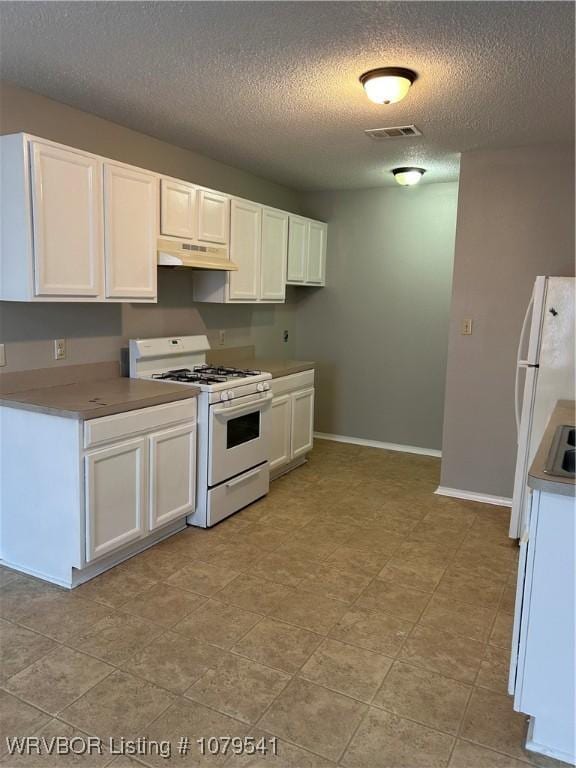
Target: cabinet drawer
237,493
110,428
284,384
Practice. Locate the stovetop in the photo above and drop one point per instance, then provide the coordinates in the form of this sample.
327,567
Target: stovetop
206,374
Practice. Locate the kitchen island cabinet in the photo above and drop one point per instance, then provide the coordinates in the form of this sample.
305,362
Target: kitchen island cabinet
81,494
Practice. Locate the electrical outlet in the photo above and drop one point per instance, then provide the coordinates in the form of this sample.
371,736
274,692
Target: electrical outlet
221,338
467,327
285,336
2,355
59,349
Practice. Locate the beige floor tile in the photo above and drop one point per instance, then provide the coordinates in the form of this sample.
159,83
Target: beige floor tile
256,595
7,575
443,652
117,637
508,601
501,634
155,563
282,569
395,599
173,661
426,697
239,687
347,669
310,611
64,616
450,615
466,755
55,680
18,719
278,645
191,719
466,587
378,632
387,741
325,722
120,706
365,561
491,721
163,604
494,669
93,758
330,581
217,623
429,532
19,648
422,576
202,578
114,587
23,596
456,518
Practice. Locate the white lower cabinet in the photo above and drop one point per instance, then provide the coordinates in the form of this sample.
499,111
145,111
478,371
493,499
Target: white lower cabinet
89,494
115,483
172,456
292,420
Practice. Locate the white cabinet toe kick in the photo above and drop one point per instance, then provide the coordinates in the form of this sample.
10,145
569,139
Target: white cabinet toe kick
90,494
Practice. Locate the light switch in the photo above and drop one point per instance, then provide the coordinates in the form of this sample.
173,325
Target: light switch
59,349
467,327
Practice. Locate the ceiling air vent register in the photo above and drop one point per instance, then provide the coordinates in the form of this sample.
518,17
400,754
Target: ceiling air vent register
397,132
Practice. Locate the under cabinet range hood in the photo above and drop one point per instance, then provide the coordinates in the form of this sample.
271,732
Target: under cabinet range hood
187,253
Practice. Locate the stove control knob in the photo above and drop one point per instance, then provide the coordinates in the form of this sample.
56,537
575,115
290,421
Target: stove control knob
266,386
224,396
230,394
260,387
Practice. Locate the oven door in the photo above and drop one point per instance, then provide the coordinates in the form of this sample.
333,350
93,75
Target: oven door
239,436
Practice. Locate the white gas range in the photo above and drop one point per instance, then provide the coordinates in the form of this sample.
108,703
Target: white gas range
234,410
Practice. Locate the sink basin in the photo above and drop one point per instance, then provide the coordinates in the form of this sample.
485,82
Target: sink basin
562,457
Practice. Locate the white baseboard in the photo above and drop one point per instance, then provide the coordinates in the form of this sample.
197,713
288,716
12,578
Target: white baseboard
483,498
378,444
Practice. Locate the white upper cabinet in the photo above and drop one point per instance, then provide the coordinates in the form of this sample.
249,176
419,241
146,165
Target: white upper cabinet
297,249
177,209
245,243
316,253
130,232
213,216
74,226
66,212
307,252
274,255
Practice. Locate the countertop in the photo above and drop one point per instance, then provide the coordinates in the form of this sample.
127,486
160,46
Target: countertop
92,399
563,413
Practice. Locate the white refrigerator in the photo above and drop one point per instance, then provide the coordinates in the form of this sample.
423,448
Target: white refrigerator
544,374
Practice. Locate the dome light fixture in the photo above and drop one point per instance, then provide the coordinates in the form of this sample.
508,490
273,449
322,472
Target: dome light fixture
387,85
407,177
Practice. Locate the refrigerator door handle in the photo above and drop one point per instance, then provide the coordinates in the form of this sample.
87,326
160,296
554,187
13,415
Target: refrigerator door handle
520,363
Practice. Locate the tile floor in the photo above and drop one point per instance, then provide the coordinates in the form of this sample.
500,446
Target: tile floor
352,614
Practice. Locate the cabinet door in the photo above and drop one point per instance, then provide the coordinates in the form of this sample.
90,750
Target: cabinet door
302,422
245,240
281,426
67,216
213,216
316,253
274,255
131,232
177,209
115,488
172,474
297,249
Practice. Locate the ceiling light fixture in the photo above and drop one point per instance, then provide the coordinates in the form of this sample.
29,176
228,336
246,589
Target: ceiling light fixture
407,177
387,85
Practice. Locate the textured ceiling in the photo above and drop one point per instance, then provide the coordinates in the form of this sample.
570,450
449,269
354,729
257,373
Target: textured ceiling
272,87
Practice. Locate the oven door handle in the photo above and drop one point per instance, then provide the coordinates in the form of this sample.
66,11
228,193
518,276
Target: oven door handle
247,476
251,406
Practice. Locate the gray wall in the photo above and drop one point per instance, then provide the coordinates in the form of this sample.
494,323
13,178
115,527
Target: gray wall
97,333
515,221
379,329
